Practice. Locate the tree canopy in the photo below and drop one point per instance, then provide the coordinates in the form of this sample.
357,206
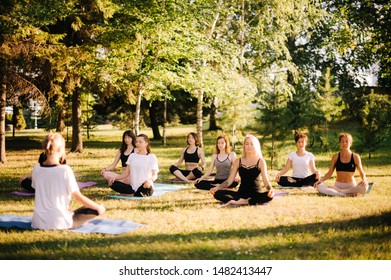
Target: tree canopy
282,57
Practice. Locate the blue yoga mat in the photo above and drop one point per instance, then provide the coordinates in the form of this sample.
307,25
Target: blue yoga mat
94,226
159,189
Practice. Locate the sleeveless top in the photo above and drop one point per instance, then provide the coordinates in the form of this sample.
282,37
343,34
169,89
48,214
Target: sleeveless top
223,168
191,157
250,181
43,157
348,167
124,158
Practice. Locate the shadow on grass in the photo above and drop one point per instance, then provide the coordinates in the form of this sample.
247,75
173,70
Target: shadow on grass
21,143
356,236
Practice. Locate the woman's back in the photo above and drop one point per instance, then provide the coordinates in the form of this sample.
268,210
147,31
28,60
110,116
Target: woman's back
53,188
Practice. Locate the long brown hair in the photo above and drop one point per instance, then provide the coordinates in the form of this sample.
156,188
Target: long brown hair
124,146
227,147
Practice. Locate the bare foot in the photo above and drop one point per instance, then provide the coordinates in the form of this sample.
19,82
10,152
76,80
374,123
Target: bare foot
237,203
291,180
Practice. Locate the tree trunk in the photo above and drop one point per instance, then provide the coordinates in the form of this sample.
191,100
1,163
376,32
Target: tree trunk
212,115
3,95
60,121
164,140
241,37
15,113
77,138
138,108
154,121
272,153
199,115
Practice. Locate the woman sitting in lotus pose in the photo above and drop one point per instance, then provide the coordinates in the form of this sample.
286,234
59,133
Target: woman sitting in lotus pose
345,164
251,166
222,159
192,155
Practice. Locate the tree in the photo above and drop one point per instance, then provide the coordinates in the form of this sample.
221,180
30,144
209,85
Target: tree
330,108
3,94
146,42
373,112
22,45
274,117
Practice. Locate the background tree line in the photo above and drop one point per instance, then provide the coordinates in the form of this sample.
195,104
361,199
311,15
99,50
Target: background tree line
281,66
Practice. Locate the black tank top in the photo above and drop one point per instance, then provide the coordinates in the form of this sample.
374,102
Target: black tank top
249,180
191,157
43,157
124,158
348,167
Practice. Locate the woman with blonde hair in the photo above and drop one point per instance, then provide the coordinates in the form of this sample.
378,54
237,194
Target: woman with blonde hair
55,186
345,164
251,166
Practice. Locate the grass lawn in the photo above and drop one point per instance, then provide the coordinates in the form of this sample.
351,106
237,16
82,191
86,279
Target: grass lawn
189,224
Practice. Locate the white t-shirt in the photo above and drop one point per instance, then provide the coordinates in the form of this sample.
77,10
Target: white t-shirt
301,164
141,167
53,193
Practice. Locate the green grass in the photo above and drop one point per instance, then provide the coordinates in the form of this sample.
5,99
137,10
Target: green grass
189,224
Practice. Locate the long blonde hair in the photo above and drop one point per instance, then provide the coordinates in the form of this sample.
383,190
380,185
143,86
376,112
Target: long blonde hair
53,143
256,144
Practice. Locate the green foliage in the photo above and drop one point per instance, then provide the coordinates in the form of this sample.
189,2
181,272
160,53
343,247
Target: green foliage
274,115
373,112
20,122
8,118
330,108
132,51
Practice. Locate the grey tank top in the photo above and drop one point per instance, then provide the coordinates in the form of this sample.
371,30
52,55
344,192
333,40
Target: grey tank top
223,168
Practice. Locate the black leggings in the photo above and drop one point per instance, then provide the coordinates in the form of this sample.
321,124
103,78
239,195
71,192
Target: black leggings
82,215
26,184
127,189
256,198
207,185
196,172
299,182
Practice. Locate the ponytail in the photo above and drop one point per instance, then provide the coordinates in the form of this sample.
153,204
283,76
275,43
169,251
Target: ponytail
54,142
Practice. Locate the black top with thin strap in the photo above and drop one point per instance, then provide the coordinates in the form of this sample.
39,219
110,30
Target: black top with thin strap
43,157
249,180
124,158
348,167
191,157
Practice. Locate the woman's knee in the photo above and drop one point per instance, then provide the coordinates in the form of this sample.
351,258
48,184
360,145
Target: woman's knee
26,184
197,173
323,189
173,168
142,191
